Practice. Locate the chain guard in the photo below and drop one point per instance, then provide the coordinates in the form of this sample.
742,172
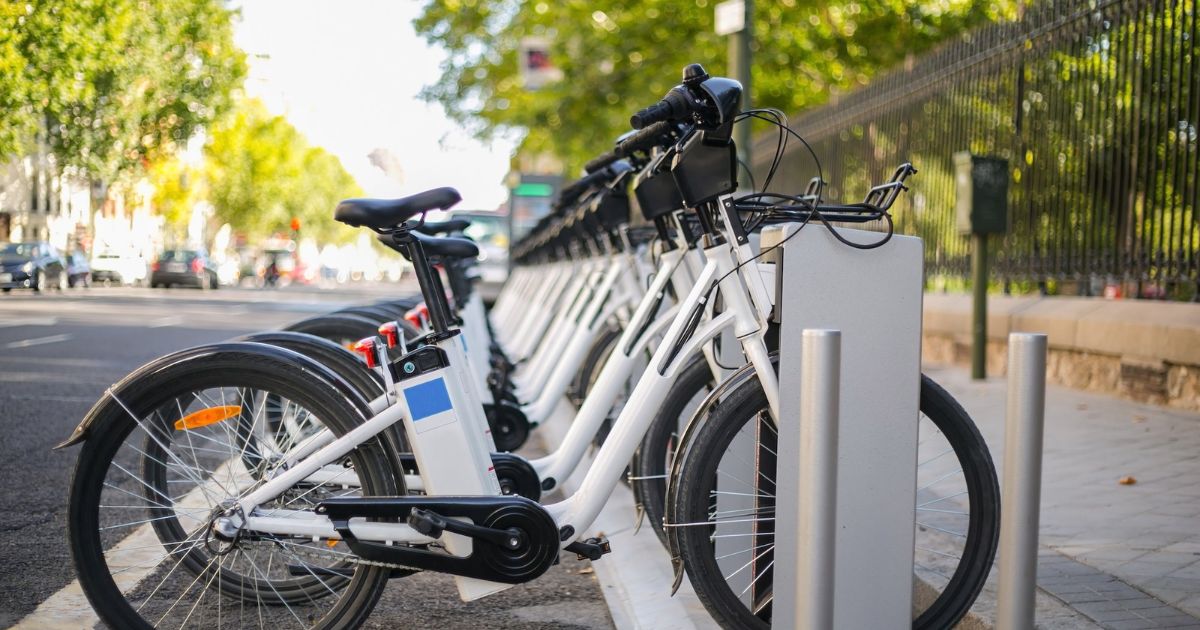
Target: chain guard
487,561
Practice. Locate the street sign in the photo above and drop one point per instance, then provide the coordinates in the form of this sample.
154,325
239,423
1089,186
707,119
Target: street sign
731,17
537,70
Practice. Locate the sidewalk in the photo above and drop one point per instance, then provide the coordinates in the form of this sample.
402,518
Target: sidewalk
1113,555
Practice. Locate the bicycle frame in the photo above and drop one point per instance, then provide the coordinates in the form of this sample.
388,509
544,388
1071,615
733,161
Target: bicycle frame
746,307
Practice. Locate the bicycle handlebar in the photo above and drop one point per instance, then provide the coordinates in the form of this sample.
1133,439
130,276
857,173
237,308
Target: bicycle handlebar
652,136
673,106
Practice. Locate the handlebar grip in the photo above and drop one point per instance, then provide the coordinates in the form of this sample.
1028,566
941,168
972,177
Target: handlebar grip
676,104
655,113
644,140
602,161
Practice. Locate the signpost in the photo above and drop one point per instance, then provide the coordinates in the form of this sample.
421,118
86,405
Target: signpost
981,209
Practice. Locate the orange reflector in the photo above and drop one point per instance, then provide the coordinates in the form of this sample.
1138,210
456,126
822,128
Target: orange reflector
332,542
205,417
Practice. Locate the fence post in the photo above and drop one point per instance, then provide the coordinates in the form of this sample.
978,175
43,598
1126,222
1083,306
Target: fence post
1023,429
814,476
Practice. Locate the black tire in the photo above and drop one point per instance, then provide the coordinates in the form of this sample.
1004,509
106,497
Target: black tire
343,330
337,358
123,424
582,384
746,403
654,456
378,314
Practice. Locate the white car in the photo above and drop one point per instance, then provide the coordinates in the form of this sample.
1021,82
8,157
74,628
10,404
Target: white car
109,266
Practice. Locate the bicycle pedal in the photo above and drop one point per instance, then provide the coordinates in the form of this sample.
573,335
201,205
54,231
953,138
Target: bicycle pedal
590,549
427,523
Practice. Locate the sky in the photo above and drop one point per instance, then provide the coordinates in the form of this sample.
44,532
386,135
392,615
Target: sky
346,74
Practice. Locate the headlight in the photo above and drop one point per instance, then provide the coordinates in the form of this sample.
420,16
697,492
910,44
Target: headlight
27,267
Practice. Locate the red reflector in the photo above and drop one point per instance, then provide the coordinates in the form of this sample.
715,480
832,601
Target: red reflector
390,331
417,315
155,266
197,265
366,348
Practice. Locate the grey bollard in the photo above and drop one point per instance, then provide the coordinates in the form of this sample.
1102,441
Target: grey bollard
811,552
1022,489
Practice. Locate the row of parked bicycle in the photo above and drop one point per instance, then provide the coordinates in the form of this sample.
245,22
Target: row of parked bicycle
282,479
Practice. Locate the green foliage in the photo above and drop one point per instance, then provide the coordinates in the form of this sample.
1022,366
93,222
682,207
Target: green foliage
617,57
113,84
260,172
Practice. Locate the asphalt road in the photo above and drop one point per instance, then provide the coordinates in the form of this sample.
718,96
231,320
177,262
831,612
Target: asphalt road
59,352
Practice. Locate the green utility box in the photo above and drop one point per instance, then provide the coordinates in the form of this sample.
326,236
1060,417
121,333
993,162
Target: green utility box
982,186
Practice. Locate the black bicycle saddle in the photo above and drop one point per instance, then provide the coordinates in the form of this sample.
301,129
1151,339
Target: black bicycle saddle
433,228
434,246
382,214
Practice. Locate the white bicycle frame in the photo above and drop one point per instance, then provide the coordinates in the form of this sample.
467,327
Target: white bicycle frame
746,306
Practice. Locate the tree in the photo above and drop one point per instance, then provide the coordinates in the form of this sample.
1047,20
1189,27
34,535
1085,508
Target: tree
617,57
260,173
113,84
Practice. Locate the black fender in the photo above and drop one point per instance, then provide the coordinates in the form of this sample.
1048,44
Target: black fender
291,358
328,353
349,366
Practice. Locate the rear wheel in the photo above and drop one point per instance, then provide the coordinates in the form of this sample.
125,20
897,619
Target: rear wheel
722,524
167,455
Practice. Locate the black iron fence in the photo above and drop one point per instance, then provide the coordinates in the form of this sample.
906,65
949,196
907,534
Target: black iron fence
1094,104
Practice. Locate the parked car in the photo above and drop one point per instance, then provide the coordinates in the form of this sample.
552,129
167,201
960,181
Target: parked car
118,268
183,267
489,230
31,265
79,273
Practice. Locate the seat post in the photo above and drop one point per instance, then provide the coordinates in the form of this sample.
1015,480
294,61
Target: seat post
431,286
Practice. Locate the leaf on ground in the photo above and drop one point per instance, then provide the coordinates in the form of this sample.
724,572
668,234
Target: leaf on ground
1139,418
1127,480
586,571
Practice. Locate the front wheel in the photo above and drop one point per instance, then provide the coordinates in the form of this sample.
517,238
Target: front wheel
168,452
722,520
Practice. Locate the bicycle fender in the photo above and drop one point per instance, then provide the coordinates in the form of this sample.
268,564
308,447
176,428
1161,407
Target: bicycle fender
739,376
199,353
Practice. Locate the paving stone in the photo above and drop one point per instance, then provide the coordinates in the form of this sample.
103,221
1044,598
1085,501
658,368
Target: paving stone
1131,624
1123,550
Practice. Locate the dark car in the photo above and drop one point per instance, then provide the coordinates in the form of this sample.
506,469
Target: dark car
183,267
79,272
31,265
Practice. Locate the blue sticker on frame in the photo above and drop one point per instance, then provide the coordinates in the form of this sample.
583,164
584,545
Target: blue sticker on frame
428,399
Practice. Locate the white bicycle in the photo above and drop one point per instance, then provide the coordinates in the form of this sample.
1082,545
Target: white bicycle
187,510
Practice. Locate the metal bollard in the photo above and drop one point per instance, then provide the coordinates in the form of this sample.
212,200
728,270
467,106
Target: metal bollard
1023,428
812,550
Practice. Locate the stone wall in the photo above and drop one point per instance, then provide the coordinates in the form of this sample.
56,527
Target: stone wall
1141,350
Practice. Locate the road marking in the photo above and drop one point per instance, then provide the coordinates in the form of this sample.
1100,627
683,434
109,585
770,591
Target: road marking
170,320
37,341
28,321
